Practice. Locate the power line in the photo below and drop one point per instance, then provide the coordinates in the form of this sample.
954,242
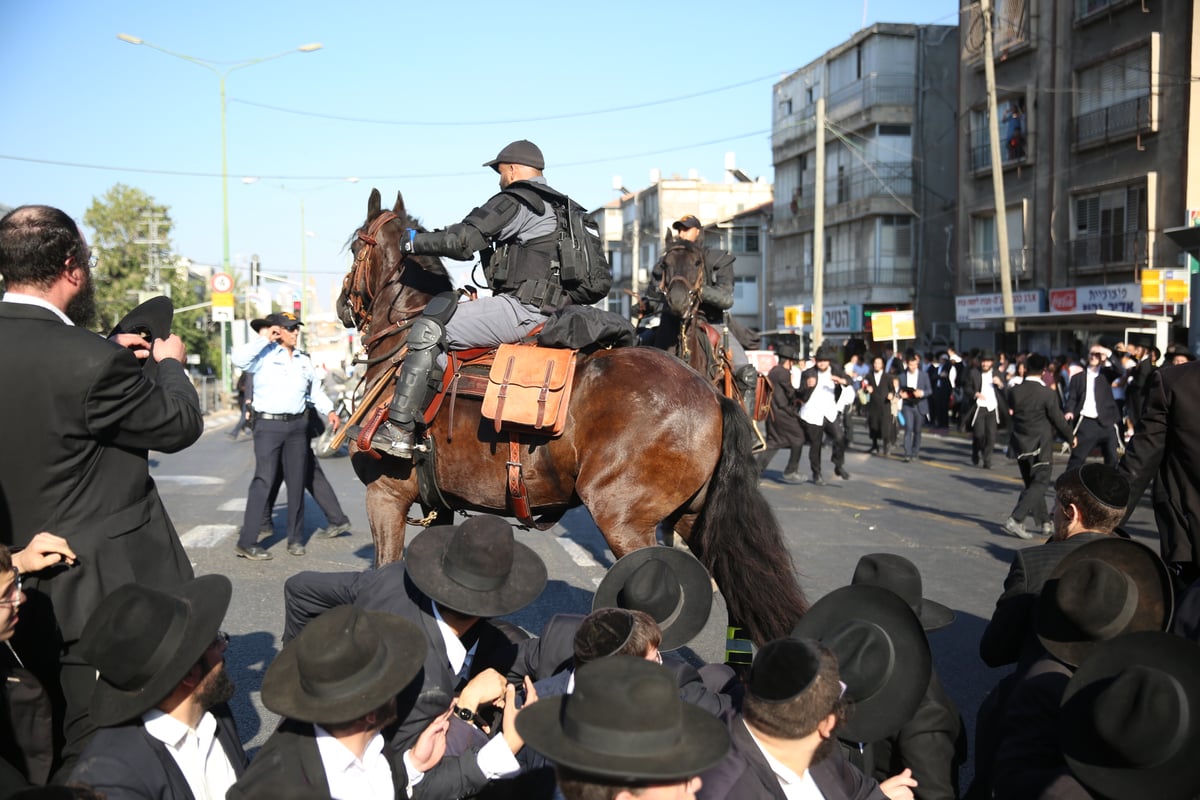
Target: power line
481,123
410,176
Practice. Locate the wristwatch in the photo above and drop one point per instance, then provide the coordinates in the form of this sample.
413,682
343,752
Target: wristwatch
467,715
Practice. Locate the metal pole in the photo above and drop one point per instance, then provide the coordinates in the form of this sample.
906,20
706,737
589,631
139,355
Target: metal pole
989,72
818,303
303,269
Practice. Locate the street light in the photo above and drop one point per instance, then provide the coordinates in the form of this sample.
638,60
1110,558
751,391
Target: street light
221,74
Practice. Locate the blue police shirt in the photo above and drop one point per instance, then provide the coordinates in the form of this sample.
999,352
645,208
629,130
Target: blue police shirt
283,384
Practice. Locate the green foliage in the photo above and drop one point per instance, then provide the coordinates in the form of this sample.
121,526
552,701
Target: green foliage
117,222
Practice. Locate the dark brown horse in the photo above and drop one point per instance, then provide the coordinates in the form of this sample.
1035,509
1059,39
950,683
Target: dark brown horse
647,442
682,328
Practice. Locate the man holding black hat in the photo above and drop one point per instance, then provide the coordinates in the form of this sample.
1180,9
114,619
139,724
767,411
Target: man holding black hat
82,414
783,741
452,580
517,233
624,734
1035,418
159,699
336,686
984,390
284,384
1092,409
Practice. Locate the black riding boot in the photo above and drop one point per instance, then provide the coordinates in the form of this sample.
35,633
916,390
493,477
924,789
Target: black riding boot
415,386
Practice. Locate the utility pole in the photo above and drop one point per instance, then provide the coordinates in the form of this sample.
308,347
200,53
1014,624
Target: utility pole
989,73
153,218
818,304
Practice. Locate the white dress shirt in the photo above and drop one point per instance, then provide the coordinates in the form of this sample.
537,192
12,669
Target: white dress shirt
795,787
199,755
350,777
822,403
988,390
1089,394
30,300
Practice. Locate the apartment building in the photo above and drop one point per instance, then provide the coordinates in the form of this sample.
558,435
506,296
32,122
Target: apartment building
890,185
1094,116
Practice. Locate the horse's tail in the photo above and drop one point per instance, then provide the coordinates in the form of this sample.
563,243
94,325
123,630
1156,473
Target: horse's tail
739,540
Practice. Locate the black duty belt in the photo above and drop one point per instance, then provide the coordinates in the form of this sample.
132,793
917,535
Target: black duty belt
278,417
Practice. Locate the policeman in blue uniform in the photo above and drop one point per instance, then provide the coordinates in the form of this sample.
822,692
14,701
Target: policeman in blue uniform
284,383
516,234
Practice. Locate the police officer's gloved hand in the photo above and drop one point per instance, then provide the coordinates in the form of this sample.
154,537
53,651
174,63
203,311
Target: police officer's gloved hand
407,243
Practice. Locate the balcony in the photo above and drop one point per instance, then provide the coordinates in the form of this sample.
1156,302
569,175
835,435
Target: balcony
1104,251
881,179
852,272
873,90
1108,124
1012,153
985,266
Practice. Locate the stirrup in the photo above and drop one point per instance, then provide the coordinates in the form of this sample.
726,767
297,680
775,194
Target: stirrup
395,441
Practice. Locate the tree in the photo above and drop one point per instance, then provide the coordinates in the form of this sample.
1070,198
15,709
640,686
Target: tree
118,221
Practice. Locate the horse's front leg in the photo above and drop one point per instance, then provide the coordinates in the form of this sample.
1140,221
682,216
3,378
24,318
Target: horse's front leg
389,499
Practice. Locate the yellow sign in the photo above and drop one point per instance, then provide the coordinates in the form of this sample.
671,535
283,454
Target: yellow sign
795,316
894,325
222,299
1165,286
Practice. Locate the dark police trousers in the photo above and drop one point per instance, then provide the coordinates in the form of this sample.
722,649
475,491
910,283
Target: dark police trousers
278,444
816,435
1091,434
1035,471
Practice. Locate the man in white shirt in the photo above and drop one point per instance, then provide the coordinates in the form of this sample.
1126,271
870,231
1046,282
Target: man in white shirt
784,741
338,685
165,731
820,391
985,387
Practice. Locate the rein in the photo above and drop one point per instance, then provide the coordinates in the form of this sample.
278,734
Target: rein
687,318
357,285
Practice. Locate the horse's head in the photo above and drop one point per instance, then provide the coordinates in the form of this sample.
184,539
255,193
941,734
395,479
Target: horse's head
682,276
387,286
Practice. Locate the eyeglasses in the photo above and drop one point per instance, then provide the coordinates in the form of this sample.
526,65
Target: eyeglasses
1095,355
13,599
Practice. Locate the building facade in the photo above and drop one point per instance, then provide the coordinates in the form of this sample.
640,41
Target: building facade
1094,108
889,193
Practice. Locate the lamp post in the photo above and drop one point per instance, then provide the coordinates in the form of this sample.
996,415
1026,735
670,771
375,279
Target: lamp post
221,74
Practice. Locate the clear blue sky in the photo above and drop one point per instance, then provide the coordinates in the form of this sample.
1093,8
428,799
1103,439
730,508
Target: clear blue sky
694,80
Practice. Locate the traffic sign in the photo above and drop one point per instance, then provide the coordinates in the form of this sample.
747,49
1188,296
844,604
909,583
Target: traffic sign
222,282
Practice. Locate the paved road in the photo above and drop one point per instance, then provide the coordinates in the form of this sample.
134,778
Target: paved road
942,513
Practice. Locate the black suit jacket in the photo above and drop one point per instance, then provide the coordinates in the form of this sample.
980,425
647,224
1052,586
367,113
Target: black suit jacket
388,588
290,760
1106,408
1166,446
1035,418
127,762
973,383
81,418
745,775
1008,637
920,404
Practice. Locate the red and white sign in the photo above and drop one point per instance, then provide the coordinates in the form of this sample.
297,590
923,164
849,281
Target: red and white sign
969,307
1113,297
222,282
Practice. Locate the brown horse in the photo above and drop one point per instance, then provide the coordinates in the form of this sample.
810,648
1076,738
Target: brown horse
647,442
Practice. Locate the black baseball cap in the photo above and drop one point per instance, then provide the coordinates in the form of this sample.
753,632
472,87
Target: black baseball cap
686,221
284,319
523,152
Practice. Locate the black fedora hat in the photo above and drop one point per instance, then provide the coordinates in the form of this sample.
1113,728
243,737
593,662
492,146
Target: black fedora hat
151,320
668,584
883,657
142,642
898,574
625,721
787,351
344,664
1129,723
522,152
826,352
476,568
1098,591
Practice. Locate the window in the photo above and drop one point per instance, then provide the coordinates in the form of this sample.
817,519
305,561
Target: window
744,240
895,130
785,107
1012,131
745,295
1110,227
985,253
1112,99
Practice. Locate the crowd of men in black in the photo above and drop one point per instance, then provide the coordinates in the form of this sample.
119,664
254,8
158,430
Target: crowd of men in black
406,681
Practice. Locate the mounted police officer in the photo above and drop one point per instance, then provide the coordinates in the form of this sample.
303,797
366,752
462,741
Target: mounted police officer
716,296
518,233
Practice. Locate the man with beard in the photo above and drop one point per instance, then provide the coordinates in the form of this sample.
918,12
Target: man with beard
165,732
82,415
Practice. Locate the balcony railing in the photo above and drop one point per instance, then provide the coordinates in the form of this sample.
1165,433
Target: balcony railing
1098,252
987,265
883,179
853,272
981,154
873,90
1113,122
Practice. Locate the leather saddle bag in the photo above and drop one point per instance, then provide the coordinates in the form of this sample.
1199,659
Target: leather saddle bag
529,388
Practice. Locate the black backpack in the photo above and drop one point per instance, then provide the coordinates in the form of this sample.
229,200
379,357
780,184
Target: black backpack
583,267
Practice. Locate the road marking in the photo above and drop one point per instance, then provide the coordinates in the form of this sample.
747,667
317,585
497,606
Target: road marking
238,504
580,555
189,480
207,535
942,466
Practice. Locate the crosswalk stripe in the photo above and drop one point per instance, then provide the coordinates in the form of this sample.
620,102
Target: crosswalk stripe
207,535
